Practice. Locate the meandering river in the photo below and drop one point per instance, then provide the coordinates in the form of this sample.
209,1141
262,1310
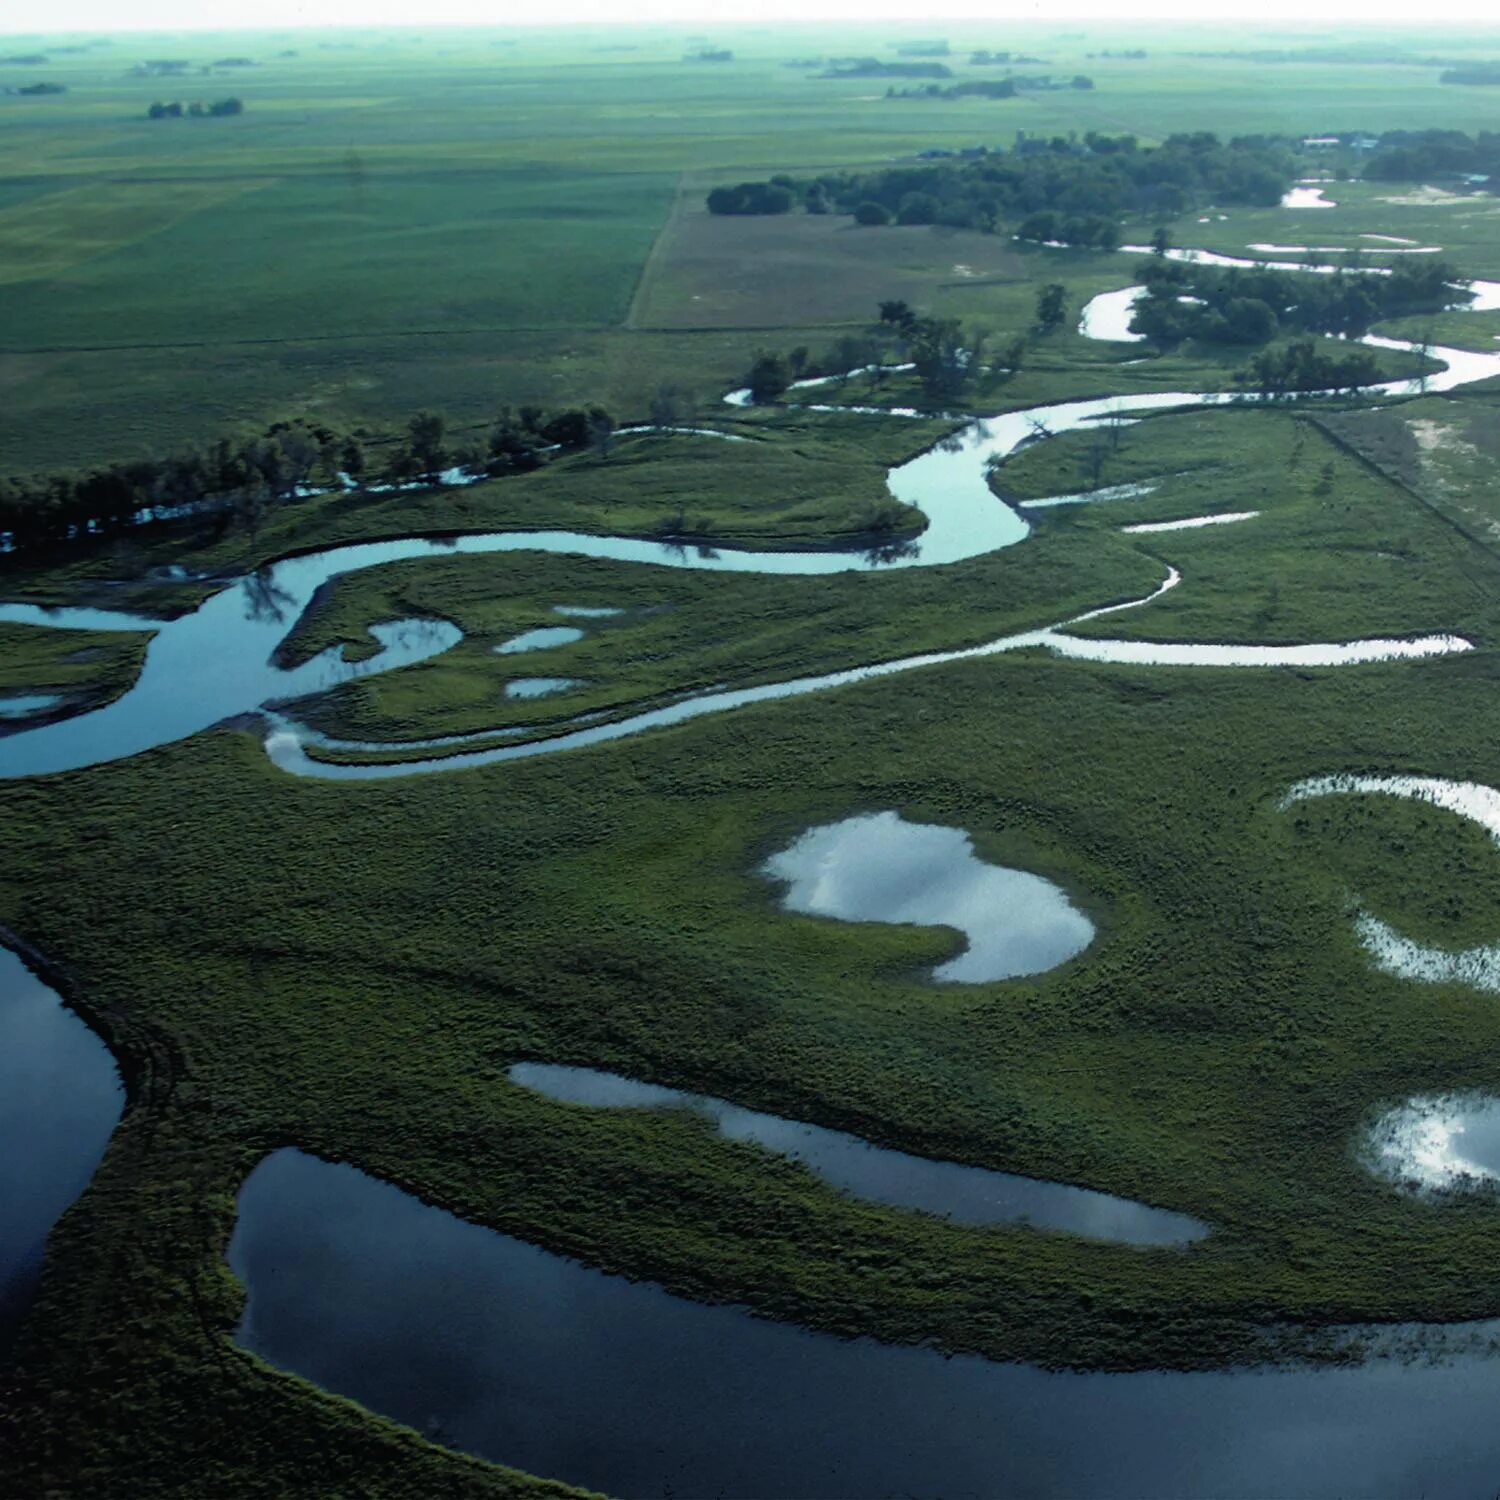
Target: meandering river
220,659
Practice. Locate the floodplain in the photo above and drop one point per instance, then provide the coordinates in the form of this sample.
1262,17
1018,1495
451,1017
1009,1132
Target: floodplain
350,818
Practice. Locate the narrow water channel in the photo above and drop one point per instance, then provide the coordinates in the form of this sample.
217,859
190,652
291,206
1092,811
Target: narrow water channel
968,1195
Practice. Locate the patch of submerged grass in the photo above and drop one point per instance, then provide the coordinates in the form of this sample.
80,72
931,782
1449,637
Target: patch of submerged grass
1369,842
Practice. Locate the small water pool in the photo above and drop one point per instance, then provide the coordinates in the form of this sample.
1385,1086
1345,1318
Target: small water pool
969,1195
879,868
540,639
539,687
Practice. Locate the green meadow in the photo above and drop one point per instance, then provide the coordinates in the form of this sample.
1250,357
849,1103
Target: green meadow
471,219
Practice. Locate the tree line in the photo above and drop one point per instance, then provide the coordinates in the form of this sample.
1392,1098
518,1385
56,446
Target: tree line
873,67
1184,300
1103,177
774,197
1306,366
1411,155
234,482
176,110
1481,73
948,358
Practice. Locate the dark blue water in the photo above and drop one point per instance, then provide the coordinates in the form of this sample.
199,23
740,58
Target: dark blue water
490,1344
60,1097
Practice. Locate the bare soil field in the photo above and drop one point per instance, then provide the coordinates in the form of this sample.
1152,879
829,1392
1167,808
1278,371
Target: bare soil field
709,271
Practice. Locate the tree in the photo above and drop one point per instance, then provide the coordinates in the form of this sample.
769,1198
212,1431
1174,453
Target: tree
1092,459
1248,320
1051,307
870,214
751,198
1009,360
425,436
515,443
899,315
768,377
601,430
352,461
852,351
671,404
567,429
1044,227
917,208
1161,241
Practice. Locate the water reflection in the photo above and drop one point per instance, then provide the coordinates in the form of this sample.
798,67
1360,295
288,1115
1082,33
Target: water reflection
1393,953
216,661
880,868
969,1195
1132,491
23,705
1439,1142
1108,316
1478,967
495,1346
266,601
1469,799
60,1097
286,741
538,687
1190,523
1210,654
1306,195
540,639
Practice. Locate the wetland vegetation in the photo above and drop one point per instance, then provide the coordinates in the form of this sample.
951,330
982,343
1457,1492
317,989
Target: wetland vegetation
543,1007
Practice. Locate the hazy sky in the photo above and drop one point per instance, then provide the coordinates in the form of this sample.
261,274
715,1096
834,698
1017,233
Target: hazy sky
172,15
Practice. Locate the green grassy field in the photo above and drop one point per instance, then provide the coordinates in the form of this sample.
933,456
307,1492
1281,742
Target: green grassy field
468,219
472,219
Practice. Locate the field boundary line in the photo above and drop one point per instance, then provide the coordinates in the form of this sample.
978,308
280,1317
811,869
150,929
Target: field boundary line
1344,445
610,329
653,255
